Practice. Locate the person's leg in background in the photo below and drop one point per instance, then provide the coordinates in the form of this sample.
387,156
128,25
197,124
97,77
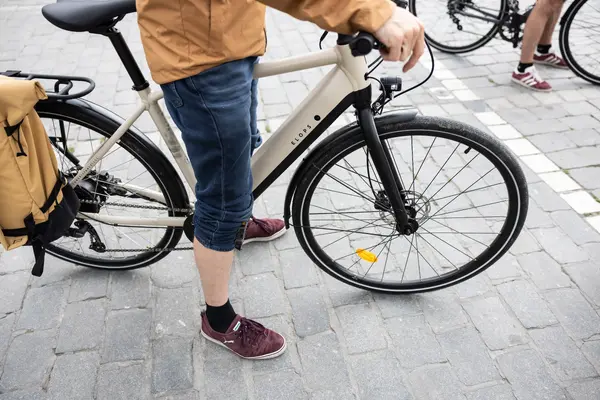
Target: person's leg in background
215,111
537,45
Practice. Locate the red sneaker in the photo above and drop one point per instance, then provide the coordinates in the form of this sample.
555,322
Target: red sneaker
246,338
531,80
550,59
264,230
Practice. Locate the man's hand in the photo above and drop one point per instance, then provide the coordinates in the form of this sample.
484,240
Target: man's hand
403,35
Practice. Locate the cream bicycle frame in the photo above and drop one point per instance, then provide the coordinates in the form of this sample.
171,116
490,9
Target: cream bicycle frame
310,117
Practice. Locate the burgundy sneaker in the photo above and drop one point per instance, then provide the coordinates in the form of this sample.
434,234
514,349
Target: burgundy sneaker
246,338
531,80
264,230
550,59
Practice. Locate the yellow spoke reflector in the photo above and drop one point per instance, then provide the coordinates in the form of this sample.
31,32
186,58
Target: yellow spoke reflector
366,255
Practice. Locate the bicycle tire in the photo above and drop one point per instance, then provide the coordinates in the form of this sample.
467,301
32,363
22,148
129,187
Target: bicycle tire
466,48
87,115
565,45
342,143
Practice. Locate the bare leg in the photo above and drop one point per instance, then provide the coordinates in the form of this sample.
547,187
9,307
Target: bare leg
551,24
214,267
536,26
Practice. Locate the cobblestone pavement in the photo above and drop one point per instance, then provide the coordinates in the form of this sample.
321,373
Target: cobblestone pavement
528,328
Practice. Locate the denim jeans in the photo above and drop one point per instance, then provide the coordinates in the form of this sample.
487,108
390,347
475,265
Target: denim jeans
216,113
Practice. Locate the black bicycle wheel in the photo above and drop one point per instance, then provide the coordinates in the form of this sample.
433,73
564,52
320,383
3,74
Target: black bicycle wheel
579,39
466,190
458,26
119,186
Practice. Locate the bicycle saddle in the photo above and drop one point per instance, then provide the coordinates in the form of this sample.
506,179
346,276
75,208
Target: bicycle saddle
80,16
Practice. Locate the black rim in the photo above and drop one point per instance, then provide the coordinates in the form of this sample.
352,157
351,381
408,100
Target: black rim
171,235
470,47
507,233
565,42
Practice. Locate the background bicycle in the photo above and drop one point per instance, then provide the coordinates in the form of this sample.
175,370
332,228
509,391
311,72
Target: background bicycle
460,26
80,332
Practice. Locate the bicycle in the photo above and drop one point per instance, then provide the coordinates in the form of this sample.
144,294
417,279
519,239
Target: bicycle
385,193
474,23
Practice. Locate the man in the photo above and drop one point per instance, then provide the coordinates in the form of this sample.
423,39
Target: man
203,53
537,45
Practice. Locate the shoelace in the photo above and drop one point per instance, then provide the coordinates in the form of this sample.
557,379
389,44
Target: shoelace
250,331
262,223
535,74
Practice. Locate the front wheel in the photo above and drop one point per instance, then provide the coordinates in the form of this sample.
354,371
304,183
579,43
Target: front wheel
464,188
580,41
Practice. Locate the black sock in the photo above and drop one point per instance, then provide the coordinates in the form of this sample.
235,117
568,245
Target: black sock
220,317
521,67
543,48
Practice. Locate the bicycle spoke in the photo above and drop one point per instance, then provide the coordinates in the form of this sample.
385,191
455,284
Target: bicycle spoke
395,164
391,237
341,213
467,217
442,240
412,157
373,168
345,185
354,252
344,193
436,175
422,162
385,264
458,195
470,191
432,198
342,230
465,234
418,255
465,209
354,171
436,249
407,257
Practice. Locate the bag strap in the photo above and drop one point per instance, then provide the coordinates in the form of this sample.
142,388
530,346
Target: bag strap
54,193
10,130
37,242
39,247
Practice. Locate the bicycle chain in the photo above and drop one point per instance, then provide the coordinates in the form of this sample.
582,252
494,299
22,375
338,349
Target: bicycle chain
97,203
144,207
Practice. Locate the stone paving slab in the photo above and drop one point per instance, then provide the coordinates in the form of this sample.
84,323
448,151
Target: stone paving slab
527,328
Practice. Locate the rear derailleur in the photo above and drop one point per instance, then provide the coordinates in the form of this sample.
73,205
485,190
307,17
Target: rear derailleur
453,7
84,227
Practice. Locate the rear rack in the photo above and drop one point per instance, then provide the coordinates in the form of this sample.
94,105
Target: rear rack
58,93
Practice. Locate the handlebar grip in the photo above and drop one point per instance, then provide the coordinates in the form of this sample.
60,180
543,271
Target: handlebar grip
401,3
362,44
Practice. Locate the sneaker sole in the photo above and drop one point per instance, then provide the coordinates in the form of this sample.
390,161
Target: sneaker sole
551,65
267,238
263,357
518,82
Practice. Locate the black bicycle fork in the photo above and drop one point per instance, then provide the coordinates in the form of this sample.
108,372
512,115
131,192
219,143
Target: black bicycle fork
384,165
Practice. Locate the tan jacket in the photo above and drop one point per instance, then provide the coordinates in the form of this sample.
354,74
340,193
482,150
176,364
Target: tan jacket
184,37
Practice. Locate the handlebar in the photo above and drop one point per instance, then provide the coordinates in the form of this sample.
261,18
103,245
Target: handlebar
363,43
